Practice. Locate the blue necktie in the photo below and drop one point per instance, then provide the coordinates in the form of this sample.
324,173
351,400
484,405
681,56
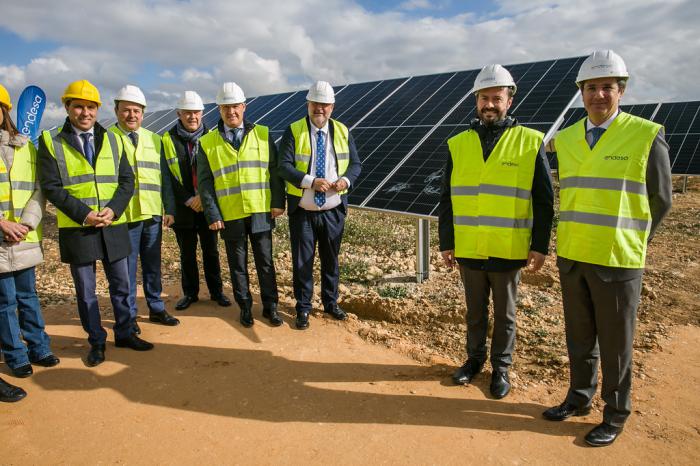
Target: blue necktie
237,136
134,136
88,150
596,134
319,197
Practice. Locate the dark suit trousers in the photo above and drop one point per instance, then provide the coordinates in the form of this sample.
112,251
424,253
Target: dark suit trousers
478,286
189,271
306,229
117,273
600,321
237,253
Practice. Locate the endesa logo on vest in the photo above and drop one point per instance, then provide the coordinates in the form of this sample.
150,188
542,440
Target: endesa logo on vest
508,163
616,157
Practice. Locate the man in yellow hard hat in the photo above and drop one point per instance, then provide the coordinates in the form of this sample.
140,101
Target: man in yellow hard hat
241,195
85,173
145,210
615,188
495,217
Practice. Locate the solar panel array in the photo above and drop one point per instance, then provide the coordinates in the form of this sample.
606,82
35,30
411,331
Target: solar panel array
401,126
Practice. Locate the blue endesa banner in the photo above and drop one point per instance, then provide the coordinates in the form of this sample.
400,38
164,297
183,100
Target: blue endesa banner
30,108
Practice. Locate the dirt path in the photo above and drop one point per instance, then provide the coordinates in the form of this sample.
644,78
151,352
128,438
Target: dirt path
213,392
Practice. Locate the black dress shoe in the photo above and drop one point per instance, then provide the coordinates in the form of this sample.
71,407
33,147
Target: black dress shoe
272,315
222,300
48,361
10,393
337,313
500,384
467,372
22,371
96,355
302,321
133,342
246,317
564,411
603,434
185,302
163,318
137,329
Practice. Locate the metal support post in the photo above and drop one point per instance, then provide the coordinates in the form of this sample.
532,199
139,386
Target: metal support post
685,184
423,250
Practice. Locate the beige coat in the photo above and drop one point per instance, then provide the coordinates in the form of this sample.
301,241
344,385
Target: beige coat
22,255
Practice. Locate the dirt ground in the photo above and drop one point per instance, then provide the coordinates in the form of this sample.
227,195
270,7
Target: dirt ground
374,389
213,392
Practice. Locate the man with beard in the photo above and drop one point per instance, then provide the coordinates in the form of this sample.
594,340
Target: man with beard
183,204
495,217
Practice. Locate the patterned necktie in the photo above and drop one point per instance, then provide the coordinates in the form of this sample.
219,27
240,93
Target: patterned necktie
596,134
134,136
319,197
88,149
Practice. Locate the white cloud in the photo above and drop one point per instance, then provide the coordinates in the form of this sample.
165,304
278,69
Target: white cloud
273,46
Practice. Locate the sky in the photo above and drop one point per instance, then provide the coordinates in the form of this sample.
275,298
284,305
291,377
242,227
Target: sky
271,46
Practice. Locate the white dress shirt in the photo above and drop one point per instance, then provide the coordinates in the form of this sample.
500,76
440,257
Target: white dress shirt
332,197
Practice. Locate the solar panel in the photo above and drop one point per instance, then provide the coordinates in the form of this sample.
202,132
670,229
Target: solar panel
544,90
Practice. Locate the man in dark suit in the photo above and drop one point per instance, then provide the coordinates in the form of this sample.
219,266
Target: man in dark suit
615,188
183,205
319,161
84,172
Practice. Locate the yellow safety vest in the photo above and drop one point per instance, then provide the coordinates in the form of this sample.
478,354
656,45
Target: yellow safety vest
145,161
241,177
302,149
17,186
94,187
491,201
604,216
171,157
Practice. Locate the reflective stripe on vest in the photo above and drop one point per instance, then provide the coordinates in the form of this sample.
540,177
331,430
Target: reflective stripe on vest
491,201
17,187
145,162
302,149
94,187
604,214
171,156
241,177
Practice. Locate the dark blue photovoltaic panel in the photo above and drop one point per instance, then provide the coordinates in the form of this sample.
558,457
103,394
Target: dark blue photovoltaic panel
408,100
681,121
290,111
264,104
381,150
349,109
679,117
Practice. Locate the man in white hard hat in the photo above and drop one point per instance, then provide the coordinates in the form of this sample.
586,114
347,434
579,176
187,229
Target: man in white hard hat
319,161
241,195
144,212
183,204
495,217
85,173
615,188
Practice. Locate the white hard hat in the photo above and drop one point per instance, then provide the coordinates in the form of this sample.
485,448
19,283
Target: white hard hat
130,93
190,100
494,76
321,92
602,64
230,93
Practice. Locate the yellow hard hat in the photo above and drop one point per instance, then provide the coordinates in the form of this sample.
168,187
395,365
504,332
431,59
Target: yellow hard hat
5,97
82,89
